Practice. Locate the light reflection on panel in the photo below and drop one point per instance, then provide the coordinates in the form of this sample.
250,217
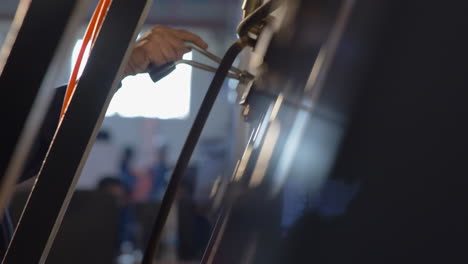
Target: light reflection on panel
139,96
264,158
285,170
307,187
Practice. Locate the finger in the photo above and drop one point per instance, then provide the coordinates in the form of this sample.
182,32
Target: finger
139,59
185,35
137,63
140,62
178,46
158,29
162,47
168,43
154,51
169,51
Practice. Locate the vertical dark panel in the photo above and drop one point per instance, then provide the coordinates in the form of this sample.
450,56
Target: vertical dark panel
54,187
30,58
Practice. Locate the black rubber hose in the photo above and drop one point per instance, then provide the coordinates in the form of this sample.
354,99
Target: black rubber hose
189,146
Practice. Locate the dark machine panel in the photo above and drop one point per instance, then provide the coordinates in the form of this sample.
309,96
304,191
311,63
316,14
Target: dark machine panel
378,171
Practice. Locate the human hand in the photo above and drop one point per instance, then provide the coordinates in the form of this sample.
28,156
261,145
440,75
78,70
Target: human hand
159,46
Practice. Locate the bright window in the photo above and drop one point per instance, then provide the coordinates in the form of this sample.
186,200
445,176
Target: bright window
139,96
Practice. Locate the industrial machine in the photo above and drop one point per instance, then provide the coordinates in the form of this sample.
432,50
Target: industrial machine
357,139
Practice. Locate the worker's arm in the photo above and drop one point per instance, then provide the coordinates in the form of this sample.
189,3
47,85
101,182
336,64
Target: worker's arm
158,46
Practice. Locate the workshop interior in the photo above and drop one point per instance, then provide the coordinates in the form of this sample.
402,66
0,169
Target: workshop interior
309,131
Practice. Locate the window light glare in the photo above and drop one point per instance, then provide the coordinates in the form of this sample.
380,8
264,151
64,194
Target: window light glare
139,96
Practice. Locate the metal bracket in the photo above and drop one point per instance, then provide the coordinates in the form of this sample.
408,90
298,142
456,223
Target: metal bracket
160,72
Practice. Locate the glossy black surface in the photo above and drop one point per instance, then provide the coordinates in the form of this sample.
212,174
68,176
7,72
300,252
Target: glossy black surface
379,174
23,72
55,184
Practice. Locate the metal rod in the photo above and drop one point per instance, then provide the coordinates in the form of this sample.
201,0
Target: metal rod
209,55
189,146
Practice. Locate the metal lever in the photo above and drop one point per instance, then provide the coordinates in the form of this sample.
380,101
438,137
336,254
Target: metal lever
157,73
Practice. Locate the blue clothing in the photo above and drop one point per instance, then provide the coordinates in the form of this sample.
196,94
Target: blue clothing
159,174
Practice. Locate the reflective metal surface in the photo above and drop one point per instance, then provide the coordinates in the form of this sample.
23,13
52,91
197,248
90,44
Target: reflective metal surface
290,147
369,170
358,140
